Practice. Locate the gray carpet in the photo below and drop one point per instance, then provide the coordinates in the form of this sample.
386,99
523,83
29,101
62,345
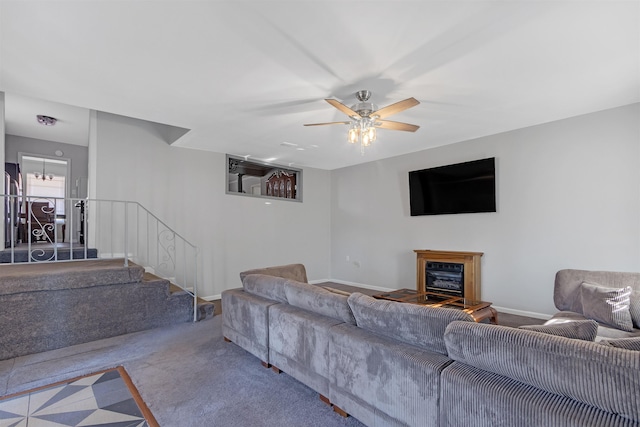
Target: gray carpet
187,375
54,305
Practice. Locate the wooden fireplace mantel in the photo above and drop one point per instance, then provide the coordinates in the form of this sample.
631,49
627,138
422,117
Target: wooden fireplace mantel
471,261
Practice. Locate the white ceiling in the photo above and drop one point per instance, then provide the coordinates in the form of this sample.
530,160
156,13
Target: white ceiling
245,76
21,114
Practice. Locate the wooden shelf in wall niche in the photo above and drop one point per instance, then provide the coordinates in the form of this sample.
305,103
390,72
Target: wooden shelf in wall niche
471,261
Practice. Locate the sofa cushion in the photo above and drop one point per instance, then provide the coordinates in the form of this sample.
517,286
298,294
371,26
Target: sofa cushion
474,397
580,329
318,300
382,381
299,344
626,343
604,377
607,305
290,271
634,308
270,287
414,324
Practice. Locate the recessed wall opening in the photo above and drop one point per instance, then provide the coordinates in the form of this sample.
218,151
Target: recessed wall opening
262,179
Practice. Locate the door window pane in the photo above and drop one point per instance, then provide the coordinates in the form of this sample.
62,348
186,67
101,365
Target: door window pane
55,187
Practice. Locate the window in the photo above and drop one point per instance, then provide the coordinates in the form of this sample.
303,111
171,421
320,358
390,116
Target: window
37,187
53,187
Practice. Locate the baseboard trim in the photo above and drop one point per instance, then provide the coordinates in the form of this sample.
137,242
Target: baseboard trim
212,297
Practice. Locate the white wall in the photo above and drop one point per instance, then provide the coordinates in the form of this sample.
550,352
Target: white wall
186,189
568,196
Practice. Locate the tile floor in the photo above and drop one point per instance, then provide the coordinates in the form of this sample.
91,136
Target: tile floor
100,399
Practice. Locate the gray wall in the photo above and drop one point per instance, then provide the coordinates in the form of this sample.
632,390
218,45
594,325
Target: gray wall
568,196
187,190
78,155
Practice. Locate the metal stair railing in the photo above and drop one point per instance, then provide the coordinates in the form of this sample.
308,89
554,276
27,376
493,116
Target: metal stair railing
37,229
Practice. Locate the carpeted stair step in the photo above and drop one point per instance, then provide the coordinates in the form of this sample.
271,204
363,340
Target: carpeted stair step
206,308
44,306
67,275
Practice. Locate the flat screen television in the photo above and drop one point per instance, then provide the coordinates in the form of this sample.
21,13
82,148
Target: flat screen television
454,189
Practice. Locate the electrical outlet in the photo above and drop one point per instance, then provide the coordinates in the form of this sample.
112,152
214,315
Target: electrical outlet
348,258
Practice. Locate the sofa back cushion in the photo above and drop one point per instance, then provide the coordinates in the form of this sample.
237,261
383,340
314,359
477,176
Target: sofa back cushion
567,294
318,300
414,324
604,377
290,271
270,287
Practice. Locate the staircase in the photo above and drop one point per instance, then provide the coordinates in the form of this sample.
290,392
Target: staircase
94,228
53,305
121,270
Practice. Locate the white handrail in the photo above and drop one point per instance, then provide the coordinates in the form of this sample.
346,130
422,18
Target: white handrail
37,233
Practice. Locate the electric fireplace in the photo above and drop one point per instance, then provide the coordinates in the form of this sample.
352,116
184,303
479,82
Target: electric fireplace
449,272
445,278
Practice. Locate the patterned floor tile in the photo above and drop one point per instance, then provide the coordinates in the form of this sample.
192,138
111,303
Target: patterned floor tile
101,399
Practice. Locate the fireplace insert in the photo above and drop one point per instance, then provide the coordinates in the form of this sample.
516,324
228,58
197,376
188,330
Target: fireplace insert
445,277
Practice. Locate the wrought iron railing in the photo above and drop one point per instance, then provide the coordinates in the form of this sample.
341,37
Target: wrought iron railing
51,229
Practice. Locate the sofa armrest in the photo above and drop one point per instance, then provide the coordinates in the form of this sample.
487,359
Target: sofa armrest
245,321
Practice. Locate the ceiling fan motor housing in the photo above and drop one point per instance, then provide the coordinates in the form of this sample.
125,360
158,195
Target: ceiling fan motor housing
363,95
364,108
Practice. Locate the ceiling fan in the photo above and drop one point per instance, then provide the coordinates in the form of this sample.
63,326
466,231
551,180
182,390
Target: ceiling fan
366,117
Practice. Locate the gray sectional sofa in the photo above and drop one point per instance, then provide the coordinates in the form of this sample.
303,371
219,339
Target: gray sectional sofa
394,364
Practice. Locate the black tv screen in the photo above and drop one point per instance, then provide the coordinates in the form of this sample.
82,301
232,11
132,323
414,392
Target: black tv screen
454,189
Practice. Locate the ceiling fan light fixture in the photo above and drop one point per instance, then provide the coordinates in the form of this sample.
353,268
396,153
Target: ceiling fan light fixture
366,116
372,132
353,134
365,140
